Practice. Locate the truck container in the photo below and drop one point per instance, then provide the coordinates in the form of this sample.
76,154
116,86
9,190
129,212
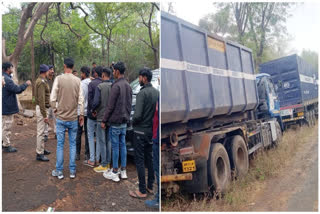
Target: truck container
297,88
214,111
193,60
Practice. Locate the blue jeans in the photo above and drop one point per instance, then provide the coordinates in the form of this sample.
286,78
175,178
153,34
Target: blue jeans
92,128
72,127
108,146
155,149
118,140
101,143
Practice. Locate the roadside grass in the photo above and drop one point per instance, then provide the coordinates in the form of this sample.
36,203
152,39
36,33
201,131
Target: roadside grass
264,165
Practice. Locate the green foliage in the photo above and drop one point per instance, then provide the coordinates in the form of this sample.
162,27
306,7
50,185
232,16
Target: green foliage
118,22
10,24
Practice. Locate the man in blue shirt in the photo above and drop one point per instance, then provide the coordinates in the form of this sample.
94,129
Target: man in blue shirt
9,104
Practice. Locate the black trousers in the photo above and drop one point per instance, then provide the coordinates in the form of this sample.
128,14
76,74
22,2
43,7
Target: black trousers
78,139
143,156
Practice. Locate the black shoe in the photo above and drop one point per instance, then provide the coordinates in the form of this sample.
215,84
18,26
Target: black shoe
46,152
41,158
77,156
9,149
45,138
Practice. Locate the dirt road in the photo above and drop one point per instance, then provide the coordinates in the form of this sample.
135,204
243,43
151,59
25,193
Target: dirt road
28,184
296,188
291,183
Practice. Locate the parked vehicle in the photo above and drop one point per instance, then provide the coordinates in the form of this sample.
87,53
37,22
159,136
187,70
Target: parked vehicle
215,111
297,88
135,90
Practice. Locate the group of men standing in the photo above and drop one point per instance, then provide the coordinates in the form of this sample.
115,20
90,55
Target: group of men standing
102,107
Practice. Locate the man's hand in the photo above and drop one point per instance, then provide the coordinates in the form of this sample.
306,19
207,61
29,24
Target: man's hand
81,120
28,82
94,114
46,120
103,125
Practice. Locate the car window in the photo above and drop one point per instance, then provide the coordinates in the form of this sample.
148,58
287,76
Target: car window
155,83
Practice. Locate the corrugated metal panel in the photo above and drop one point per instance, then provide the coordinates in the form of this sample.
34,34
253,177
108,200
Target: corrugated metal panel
296,77
202,75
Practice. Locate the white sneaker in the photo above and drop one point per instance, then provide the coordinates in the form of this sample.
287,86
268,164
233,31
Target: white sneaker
123,174
111,176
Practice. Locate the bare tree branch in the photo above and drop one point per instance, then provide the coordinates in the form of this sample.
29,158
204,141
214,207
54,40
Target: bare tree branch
62,22
156,5
25,15
144,41
24,34
149,26
44,27
87,23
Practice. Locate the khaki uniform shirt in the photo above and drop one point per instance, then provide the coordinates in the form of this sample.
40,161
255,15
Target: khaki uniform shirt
42,95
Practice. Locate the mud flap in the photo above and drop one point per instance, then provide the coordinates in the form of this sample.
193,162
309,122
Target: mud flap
273,130
199,182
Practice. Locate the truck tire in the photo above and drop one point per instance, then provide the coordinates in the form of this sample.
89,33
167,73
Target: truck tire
239,156
279,135
308,118
219,172
313,116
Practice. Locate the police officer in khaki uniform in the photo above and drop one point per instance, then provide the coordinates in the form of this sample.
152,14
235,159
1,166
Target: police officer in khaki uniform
42,97
51,115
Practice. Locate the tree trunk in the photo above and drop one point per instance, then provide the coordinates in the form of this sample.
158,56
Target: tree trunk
108,52
103,50
29,17
33,76
155,51
108,46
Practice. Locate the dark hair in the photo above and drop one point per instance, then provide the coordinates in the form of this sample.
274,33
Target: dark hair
85,70
98,70
107,71
146,72
69,62
120,66
94,63
6,66
74,71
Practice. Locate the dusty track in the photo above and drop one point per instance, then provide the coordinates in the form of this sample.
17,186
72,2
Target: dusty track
296,187
291,185
28,184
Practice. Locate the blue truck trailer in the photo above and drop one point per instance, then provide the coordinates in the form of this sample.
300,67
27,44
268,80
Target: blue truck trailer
215,111
297,88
